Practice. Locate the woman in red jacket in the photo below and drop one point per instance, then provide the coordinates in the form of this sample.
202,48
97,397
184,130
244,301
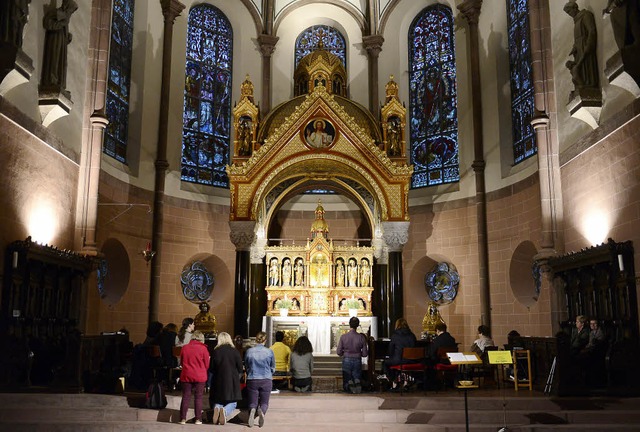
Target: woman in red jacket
195,363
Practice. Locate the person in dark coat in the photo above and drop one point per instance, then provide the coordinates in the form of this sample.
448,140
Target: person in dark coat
579,336
166,340
401,338
226,368
443,339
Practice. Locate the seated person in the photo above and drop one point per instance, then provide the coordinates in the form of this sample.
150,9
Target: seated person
579,336
484,340
442,339
282,353
401,338
514,341
594,354
301,364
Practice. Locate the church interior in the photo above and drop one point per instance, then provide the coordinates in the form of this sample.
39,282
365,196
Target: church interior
470,162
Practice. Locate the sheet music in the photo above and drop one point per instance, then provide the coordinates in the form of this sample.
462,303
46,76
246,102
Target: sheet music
461,357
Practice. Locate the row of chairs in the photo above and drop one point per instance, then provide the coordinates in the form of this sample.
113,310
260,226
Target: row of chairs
415,360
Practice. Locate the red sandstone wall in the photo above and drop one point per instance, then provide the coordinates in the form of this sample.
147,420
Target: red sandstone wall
34,177
604,180
193,231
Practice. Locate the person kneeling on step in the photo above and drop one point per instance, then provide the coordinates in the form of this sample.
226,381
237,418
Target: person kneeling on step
226,368
261,364
352,346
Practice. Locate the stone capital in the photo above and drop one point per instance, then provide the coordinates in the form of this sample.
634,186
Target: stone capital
539,120
373,44
99,119
470,9
171,9
395,235
267,44
242,234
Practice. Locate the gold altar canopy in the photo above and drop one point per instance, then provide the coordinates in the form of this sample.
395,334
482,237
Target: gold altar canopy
319,278
321,138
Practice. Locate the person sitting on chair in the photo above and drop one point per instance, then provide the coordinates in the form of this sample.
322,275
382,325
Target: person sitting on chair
484,340
442,339
401,338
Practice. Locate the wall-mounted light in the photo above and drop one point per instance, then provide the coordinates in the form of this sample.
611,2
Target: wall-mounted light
14,261
147,253
620,262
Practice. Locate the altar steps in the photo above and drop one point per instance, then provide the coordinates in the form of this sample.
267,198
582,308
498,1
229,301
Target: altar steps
312,412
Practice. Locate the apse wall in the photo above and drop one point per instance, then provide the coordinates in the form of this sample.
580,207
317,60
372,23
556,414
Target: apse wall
193,231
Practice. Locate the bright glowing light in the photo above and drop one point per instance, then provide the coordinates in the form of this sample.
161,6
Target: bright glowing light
596,226
43,223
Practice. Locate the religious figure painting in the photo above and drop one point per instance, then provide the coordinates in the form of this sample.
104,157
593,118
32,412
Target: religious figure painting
319,133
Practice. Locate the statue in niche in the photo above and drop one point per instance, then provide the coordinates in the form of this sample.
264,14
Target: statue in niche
393,136
365,273
273,272
299,272
57,37
625,22
286,272
13,17
352,273
244,137
584,66
340,273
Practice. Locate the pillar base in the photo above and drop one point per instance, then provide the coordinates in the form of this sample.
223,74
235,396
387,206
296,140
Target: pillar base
54,104
586,105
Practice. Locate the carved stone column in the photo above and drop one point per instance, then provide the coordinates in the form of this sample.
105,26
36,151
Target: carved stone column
544,123
93,129
267,46
242,235
395,235
373,45
470,10
171,9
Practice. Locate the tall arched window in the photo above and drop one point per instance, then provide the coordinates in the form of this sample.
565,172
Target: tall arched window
332,40
433,101
207,97
117,100
524,139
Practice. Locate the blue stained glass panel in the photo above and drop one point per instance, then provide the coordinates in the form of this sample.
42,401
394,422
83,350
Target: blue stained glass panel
332,40
433,105
117,98
207,97
522,106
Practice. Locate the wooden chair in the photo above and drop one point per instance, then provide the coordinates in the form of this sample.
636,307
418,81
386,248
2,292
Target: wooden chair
444,369
488,372
176,351
413,360
521,356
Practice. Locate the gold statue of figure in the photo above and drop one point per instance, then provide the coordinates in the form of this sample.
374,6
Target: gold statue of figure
205,321
431,318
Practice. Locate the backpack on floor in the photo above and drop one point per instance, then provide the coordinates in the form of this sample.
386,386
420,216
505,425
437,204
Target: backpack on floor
155,397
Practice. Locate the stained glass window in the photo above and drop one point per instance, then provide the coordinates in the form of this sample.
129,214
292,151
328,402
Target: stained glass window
524,140
433,105
332,40
117,100
207,97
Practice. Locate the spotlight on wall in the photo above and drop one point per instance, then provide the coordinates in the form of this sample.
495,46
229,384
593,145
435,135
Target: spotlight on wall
147,253
620,262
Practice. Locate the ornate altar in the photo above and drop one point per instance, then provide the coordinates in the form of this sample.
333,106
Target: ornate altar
319,278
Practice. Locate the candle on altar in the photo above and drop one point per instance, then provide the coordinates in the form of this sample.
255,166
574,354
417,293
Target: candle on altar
285,296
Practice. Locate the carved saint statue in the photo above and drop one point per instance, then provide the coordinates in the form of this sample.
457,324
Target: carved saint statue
625,22
393,136
273,272
205,321
299,272
57,37
286,272
352,273
13,17
244,137
365,273
584,66
340,273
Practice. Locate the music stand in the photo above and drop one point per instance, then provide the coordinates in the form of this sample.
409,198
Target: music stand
502,358
463,359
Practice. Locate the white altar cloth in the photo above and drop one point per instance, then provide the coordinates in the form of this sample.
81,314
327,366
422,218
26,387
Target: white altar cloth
318,328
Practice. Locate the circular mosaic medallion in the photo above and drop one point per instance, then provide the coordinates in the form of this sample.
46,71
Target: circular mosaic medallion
197,282
442,283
